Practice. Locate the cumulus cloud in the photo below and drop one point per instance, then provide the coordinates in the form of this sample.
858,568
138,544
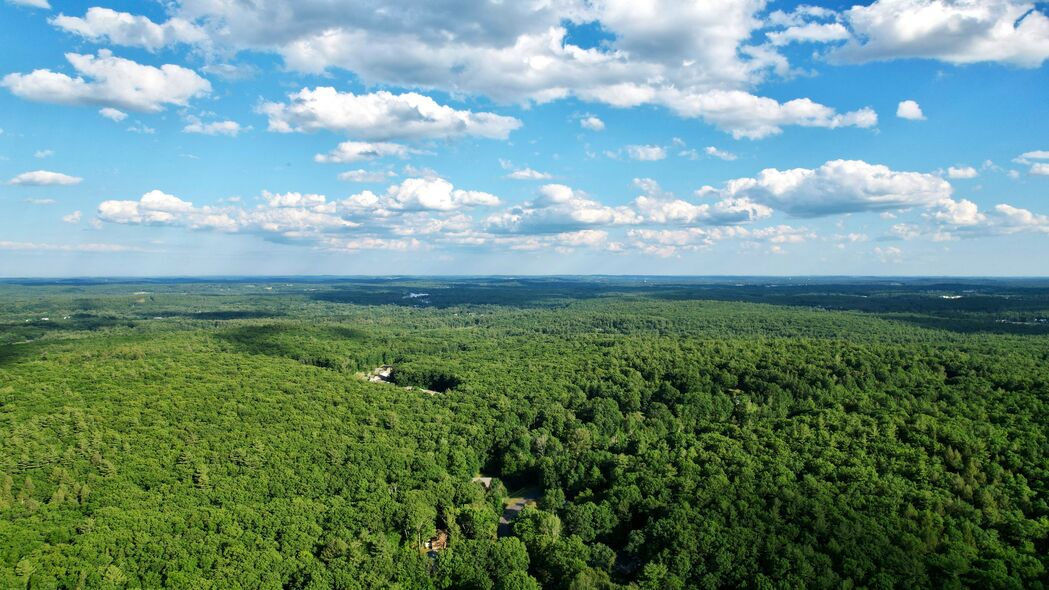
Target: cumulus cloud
41,154
365,176
801,14
45,178
753,117
592,123
810,33
838,186
677,211
950,219
231,71
559,208
646,153
961,172
528,174
517,52
719,154
1015,32
888,254
909,109
159,208
121,28
1008,219
229,128
1026,157
381,116
356,151
1032,158
372,243
31,3
140,127
73,217
670,242
111,81
436,194
414,207
659,207
113,114
681,55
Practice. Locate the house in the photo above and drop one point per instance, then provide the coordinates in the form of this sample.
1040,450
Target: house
438,543
381,375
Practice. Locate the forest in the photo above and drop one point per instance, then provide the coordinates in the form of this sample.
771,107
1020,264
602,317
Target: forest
639,433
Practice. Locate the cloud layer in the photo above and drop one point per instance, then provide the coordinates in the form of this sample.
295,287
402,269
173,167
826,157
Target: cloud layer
111,81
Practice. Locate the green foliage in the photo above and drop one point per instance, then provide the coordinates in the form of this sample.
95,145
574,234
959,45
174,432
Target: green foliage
683,435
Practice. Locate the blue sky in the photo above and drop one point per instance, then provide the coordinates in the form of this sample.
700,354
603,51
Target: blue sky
201,137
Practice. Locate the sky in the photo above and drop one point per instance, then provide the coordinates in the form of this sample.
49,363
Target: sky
705,137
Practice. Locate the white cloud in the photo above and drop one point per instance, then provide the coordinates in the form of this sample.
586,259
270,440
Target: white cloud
159,208
958,31
725,212
687,56
45,178
720,154
1008,219
528,174
416,206
559,208
113,114
659,207
140,127
962,172
31,3
963,212
838,186
435,194
41,201
1031,158
1026,157
801,14
356,151
121,28
810,33
381,116
590,238
646,153
229,128
113,81
951,219
669,242
888,254
909,109
73,217
155,207
744,115
371,243
41,154
518,52
365,176
279,200
592,123
231,71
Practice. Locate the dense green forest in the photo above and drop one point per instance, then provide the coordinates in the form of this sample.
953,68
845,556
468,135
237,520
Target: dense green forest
661,433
